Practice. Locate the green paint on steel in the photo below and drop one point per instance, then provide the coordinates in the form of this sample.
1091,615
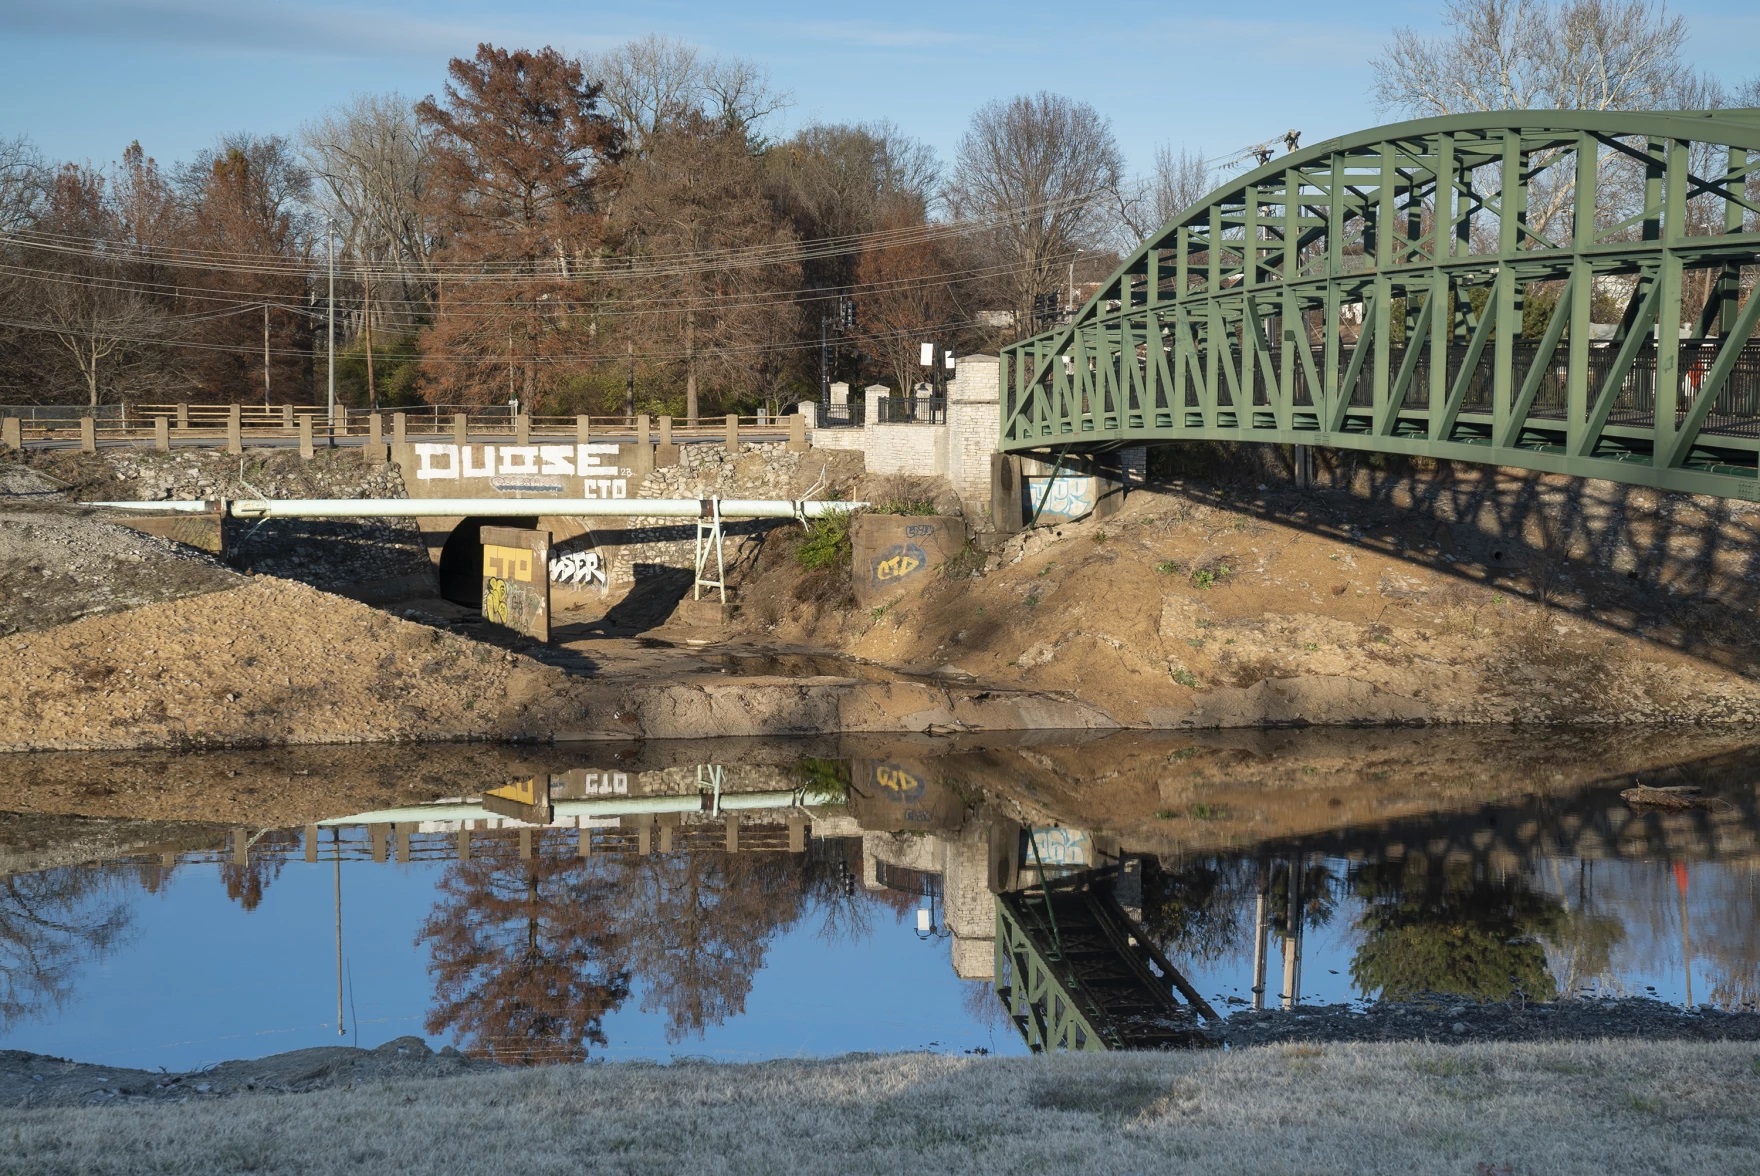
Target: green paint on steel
1368,293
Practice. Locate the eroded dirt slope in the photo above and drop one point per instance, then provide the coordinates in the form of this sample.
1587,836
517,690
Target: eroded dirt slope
1179,611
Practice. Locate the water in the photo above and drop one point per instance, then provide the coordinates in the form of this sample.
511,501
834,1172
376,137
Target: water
176,911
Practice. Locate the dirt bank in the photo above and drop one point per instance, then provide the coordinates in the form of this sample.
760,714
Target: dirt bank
1180,611
1569,1108
275,662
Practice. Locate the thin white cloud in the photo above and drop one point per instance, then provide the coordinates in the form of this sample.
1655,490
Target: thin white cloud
875,35
256,27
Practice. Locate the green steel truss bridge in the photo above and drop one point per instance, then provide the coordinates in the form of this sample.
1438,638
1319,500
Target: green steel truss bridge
1371,293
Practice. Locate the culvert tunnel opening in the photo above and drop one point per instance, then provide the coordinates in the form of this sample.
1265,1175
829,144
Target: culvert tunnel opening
461,559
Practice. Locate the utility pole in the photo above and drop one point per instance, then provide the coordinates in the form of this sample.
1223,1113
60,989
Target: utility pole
629,383
330,332
367,325
265,355
824,362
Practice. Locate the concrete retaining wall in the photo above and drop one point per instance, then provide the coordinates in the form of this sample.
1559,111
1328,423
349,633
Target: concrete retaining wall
895,554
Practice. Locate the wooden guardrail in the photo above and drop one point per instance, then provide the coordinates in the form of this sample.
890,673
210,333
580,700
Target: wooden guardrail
232,424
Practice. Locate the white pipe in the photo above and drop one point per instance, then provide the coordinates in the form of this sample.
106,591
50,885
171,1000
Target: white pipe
598,807
405,508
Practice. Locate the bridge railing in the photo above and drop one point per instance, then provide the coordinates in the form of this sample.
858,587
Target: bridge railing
126,423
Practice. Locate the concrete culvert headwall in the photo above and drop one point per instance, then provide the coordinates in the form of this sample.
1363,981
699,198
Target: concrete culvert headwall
461,559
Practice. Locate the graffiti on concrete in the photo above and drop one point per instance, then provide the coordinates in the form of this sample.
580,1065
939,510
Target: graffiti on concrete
516,581
525,467
1066,496
1058,846
899,561
904,784
578,569
495,600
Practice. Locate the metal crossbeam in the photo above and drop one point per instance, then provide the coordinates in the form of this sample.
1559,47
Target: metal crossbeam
1368,293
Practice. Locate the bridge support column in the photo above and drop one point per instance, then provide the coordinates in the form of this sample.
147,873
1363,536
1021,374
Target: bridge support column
1304,466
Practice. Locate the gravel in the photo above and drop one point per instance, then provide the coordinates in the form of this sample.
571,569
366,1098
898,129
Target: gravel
1448,1020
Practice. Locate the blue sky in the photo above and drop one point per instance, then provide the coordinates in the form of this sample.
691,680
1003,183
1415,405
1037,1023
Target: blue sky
84,77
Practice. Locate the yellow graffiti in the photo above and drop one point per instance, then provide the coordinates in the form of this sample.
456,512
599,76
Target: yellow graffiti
519,792
507,563
898,565
495,600
896,779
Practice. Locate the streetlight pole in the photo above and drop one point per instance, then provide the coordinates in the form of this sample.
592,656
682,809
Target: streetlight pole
330,330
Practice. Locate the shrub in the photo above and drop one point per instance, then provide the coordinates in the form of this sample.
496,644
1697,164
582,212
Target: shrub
826,543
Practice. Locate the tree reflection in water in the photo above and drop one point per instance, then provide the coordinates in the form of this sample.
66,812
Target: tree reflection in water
51,924
529,956
1442,928
526,956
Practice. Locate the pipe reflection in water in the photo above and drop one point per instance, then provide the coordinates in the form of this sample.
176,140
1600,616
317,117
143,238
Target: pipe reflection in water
659,893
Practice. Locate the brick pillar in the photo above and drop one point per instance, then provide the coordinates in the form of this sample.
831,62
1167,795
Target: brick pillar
162,434
797,433
461,429
235,430
88,435
305,436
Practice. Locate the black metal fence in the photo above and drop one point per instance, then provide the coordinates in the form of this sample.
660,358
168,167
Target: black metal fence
840,416
911,410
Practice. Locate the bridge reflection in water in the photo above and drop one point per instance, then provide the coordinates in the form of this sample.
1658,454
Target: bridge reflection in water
1082,922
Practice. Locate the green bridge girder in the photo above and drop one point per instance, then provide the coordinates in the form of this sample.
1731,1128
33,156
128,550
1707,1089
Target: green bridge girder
1369,293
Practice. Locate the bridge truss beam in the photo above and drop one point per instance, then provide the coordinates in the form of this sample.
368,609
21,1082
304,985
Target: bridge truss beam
1562,291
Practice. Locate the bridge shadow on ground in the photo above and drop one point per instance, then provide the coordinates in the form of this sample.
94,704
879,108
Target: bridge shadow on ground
1677,570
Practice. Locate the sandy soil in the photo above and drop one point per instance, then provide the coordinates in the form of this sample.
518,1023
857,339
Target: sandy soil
1178,612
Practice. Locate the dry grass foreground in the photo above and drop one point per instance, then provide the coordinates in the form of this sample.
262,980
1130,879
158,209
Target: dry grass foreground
1584,1108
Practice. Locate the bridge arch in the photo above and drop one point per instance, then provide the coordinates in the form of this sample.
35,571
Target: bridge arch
1563,291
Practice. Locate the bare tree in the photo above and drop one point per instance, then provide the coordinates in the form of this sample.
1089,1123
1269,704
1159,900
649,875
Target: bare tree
1181,178
1534,55
374,167
657,82
1041,173
24,183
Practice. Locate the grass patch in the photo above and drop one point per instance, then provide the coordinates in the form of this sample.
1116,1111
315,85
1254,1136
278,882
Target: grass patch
826,543
1186,678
